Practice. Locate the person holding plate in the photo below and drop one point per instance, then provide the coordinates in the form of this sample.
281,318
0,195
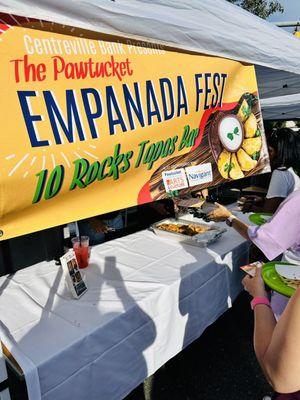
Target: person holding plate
279,235
277,345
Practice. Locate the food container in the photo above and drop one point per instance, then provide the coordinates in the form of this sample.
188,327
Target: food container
201,239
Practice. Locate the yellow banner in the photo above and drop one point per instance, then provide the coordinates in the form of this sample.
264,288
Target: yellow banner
91,126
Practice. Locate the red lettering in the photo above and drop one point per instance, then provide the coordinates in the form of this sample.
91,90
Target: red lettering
17,75
58,66
99,71
41,72
29,71
69,71
129,70
106,65
89,69
81,70
123,68
115,68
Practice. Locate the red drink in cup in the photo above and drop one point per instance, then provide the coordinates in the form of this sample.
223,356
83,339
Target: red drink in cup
81,249
76,248
84,251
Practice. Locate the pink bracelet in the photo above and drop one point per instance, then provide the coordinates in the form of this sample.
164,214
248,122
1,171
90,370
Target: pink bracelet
260,300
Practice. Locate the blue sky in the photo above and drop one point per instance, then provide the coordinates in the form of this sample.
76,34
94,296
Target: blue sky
291,11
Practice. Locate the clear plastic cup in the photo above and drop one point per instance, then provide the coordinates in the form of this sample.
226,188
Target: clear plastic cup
85,251
82,250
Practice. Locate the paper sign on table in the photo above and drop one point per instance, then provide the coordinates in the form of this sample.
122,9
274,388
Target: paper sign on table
73,276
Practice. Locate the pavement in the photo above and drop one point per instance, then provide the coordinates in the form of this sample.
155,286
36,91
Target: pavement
220,365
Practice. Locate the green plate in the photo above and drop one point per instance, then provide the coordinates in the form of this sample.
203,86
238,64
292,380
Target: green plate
273,280
258,218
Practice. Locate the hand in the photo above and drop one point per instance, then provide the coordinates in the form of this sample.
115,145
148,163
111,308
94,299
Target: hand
255,286
98,225
248,203
220,213
247,207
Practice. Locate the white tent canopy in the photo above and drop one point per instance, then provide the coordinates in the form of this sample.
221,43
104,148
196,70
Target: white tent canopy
279,93
214,27
274,83
282,107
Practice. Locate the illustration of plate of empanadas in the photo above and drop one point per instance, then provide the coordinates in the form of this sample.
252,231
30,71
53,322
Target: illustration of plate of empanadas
235,140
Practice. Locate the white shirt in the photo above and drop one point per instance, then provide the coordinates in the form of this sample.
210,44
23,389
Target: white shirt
283,182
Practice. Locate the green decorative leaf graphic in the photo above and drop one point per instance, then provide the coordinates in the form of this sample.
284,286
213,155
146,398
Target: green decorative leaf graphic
258,133
230,135
236,130
246,111
256,155
228,167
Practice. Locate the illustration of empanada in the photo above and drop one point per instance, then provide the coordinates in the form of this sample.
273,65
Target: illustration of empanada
252,145
250,126
245,161
235,170
244,111
224,163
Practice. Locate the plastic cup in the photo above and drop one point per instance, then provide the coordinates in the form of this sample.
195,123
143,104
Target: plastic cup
77,250
81,250
84,251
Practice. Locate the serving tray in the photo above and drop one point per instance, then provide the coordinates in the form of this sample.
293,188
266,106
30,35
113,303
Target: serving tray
200,239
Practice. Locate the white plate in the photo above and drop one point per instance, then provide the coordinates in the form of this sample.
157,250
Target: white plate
288,271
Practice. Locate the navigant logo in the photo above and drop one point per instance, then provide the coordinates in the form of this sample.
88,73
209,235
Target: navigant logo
199,174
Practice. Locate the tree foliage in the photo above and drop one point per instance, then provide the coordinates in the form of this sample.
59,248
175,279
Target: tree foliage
261,8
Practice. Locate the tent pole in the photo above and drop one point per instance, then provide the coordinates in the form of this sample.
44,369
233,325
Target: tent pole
287,24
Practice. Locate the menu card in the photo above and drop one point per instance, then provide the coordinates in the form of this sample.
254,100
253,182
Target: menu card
74,279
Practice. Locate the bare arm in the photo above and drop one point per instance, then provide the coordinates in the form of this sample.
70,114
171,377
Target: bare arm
277,346
264,325
221,214
241,228
281,361
264,320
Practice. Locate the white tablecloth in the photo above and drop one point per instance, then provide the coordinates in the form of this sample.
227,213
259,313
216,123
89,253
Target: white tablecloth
147,299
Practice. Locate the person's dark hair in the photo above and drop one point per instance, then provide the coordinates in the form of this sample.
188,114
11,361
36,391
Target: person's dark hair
286,143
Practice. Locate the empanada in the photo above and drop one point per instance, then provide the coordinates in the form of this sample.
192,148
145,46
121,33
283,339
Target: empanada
235,170
224,163
244,111
252,145
250,126
245,161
